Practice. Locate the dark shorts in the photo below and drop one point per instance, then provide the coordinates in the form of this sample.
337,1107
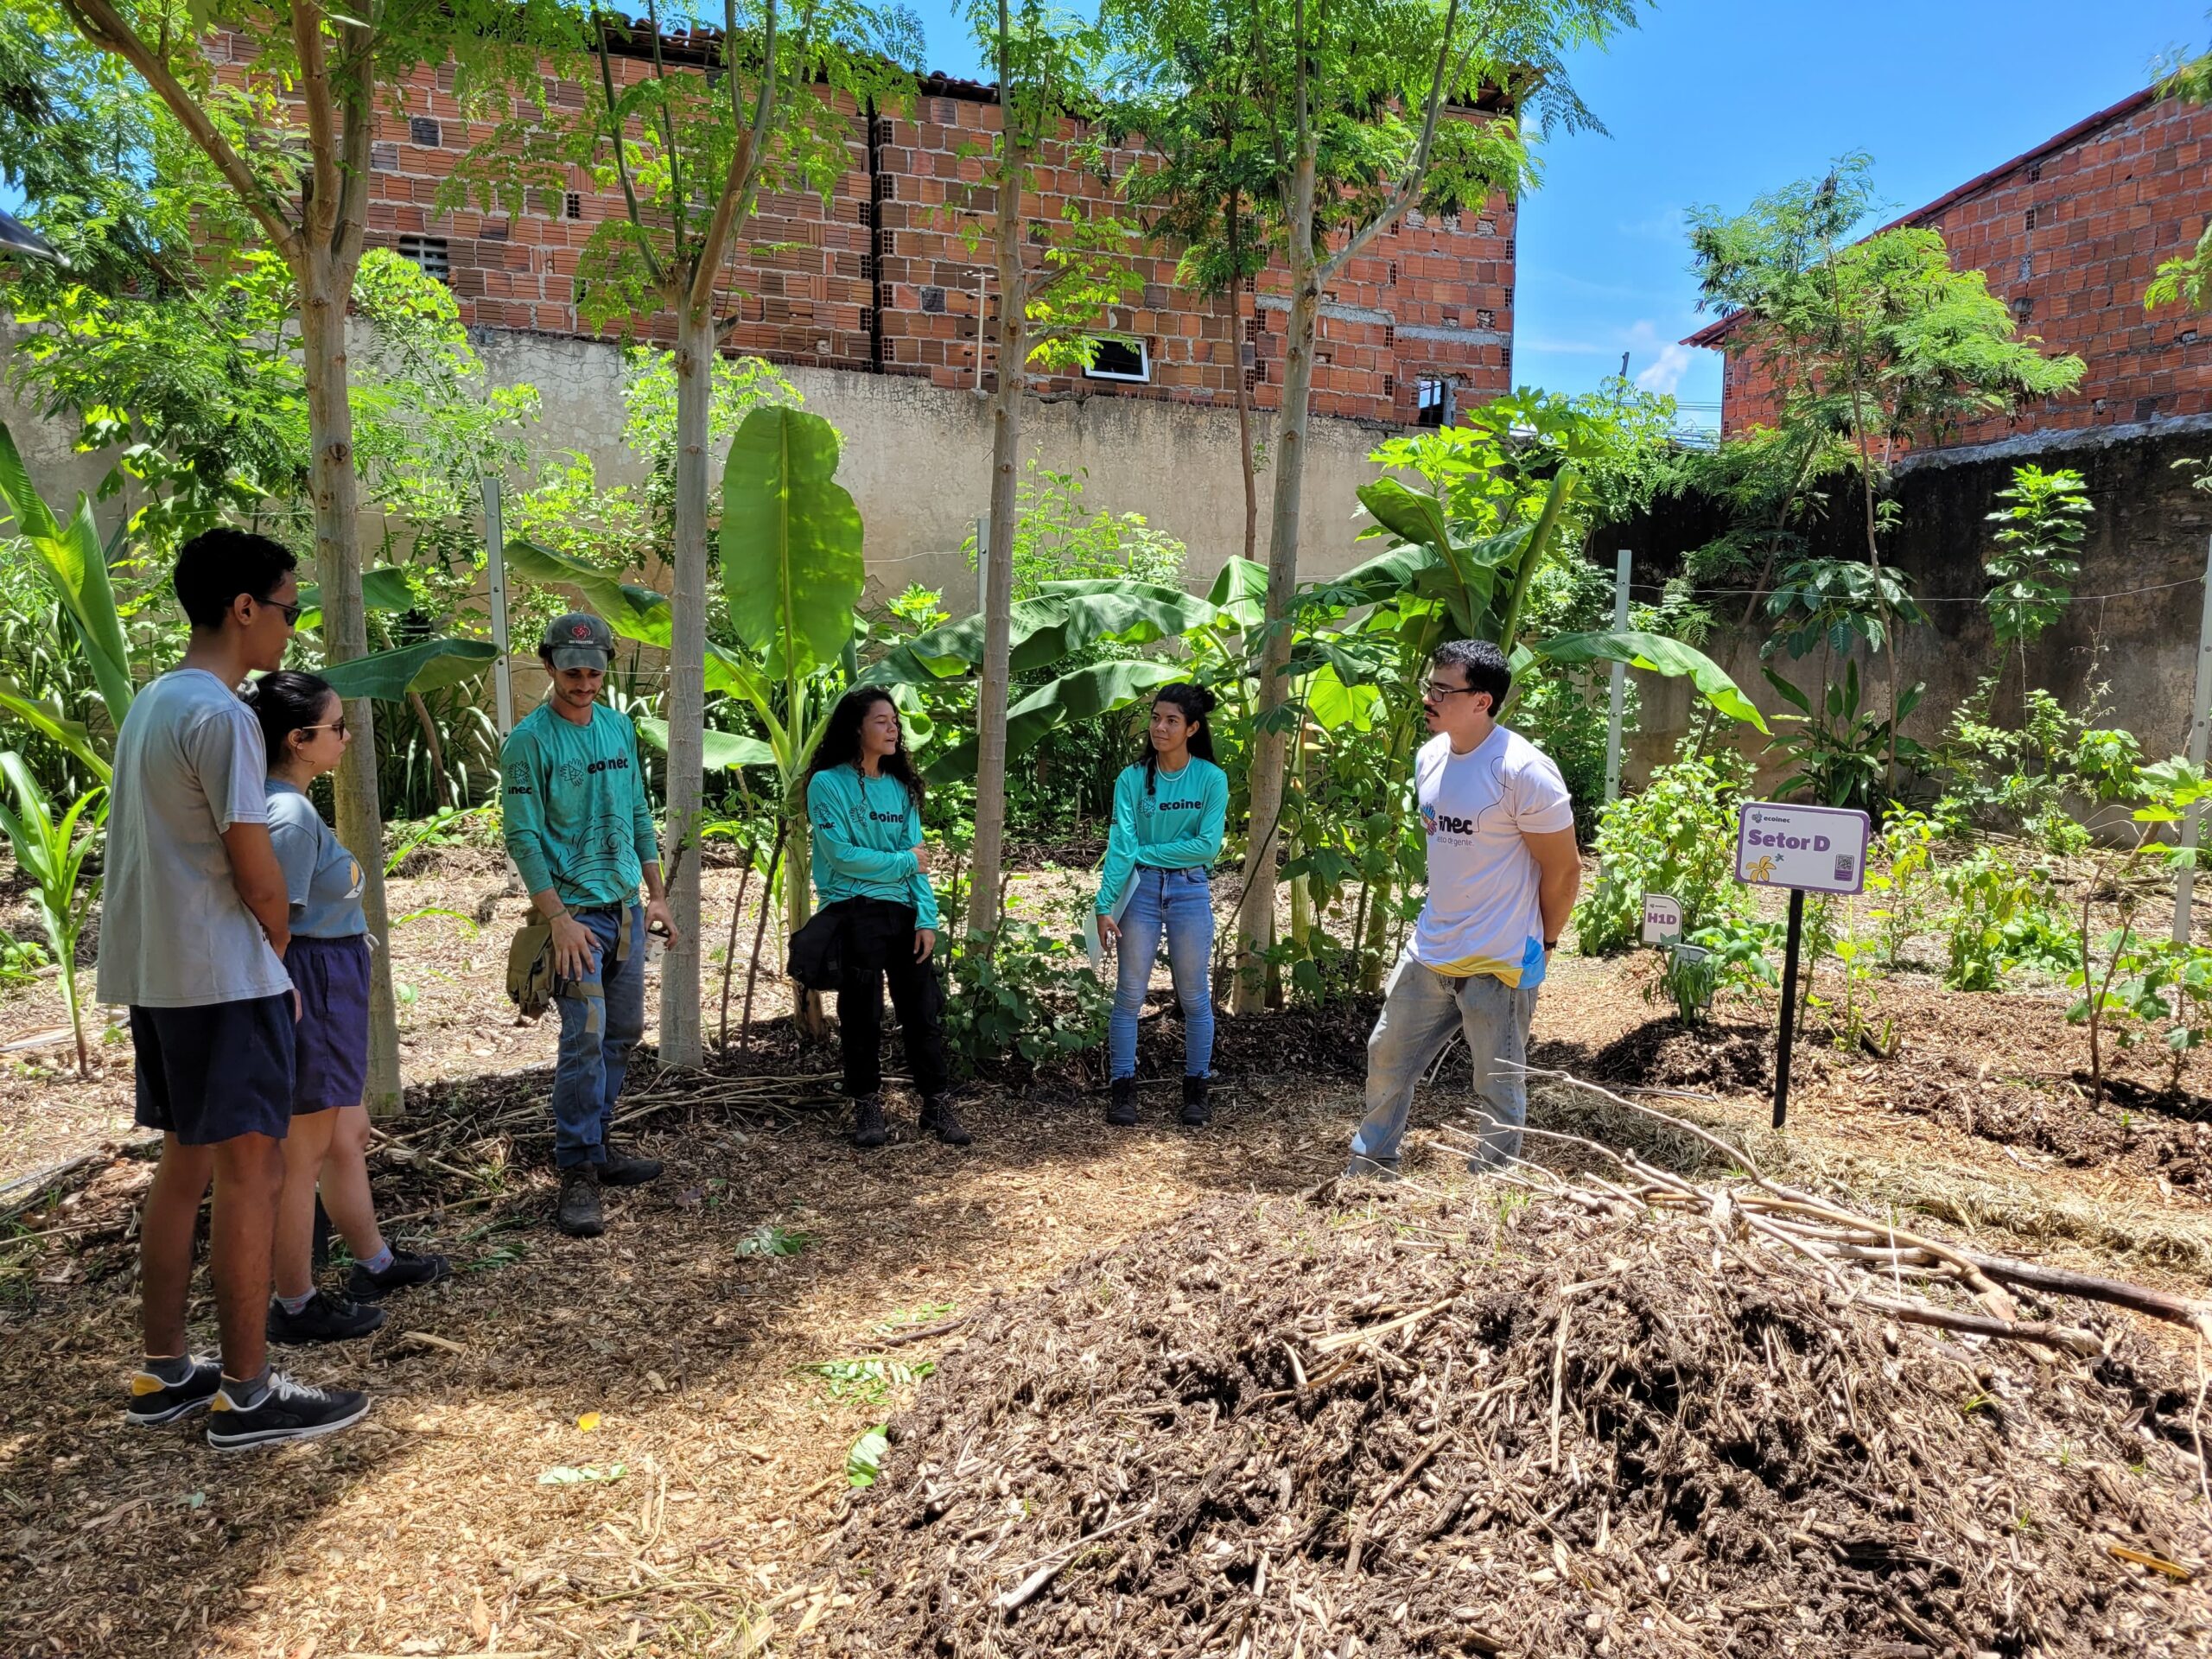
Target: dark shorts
332,975
216,1071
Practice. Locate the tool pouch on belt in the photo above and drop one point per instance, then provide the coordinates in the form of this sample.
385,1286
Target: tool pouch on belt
529,968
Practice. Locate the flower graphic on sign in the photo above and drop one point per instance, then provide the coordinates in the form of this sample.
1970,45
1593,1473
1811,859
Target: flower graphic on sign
1760,871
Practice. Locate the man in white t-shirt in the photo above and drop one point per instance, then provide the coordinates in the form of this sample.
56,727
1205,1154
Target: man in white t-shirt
1502,875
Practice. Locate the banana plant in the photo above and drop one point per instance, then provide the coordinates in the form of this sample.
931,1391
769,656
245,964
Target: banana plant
51,852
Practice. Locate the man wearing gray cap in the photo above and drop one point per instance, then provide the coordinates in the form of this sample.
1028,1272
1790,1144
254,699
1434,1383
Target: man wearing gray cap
579,830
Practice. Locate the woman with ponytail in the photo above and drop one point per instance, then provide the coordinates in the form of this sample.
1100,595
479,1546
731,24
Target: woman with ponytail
1170,809
303,727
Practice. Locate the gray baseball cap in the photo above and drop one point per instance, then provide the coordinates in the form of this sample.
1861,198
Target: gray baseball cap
579,639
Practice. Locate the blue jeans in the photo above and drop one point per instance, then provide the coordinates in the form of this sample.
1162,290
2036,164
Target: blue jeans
1181,903
601,1019
1420,1008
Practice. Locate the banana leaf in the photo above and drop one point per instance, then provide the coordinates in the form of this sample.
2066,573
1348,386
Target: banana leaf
383,589
790,540
1240,592
74,564
51,724
1656,654
1064,617
725,751
634,612
389,675
1087,692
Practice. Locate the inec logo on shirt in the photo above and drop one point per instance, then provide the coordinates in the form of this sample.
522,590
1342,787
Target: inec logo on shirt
1443,824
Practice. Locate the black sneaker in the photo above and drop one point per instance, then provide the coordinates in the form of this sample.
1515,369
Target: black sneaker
578,1213
1197,1111
154,1402
937,1119
1363,1168
868,1127
285,1410
406,1271
1123,1113
325,1319
620,1169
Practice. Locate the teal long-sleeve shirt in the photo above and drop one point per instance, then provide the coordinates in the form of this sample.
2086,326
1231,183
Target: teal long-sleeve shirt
1177,825
572,806
865,833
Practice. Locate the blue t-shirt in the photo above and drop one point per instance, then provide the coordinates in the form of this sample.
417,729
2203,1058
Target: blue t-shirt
1163,821
865,833
322,878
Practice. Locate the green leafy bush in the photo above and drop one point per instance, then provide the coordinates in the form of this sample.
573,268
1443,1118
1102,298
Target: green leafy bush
1024,991
1998,919
1675,835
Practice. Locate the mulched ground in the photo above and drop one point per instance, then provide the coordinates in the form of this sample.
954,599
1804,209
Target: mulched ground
1566,1436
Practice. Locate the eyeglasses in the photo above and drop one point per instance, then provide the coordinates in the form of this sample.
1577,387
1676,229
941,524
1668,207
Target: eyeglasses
291,612
1439,691
337,726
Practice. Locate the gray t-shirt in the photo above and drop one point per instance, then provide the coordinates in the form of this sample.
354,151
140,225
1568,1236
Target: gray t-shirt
321,877
174,933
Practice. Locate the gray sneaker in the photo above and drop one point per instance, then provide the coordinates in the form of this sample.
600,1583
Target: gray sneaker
1363,1168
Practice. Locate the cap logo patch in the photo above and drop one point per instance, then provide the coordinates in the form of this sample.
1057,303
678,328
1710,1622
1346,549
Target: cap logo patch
580,632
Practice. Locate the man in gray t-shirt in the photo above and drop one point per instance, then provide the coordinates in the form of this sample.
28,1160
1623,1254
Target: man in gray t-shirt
193,935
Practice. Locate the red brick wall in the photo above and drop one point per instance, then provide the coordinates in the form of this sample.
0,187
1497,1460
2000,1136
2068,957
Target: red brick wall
883,277
2109,205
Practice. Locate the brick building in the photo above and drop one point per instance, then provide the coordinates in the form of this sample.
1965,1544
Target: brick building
2070,235
882,279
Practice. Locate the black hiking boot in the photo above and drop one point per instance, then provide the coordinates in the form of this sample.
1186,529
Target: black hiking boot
624,1169
578,1215
325,1319
869,1130
937,1119
1197,1111
406,1271
281,1410
1123,1113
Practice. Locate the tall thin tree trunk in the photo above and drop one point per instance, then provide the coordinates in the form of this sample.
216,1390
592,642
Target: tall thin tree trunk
1255,914
998,569
325,285
1243,391
687,685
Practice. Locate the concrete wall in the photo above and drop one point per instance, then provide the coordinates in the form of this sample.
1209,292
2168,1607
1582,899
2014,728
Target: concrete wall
2132,628
917,457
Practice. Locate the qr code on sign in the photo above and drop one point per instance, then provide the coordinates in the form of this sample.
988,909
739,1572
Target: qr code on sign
1845,864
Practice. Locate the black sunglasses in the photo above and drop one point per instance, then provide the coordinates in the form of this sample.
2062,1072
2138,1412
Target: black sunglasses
291,612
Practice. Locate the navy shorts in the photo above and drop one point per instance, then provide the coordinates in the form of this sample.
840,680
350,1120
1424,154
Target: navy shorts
332,1064
215,1071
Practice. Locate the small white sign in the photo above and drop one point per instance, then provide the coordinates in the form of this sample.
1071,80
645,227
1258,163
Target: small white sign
1816,848
1663,917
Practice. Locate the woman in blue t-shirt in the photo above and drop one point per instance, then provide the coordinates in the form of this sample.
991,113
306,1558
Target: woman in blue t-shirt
303,728
1170,809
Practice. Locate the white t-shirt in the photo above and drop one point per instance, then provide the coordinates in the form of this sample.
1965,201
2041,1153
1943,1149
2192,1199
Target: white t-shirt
174,933
1481,915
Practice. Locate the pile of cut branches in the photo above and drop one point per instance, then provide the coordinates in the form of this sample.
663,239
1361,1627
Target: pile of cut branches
1628,1416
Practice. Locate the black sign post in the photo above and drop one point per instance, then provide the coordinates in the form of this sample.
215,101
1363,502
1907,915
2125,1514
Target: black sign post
1788,1006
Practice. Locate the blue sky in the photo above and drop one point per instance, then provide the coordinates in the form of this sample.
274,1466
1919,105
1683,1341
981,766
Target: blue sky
1714,101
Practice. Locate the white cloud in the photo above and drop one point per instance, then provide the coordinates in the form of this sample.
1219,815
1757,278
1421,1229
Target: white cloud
1667,373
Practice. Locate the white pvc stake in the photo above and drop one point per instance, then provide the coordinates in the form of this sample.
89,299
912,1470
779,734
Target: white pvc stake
1619,682
2200,726
495,569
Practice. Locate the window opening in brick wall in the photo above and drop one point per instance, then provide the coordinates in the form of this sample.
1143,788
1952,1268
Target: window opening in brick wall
384,158
2031,218
1485,319
2023,309
2027,266
572,205
1121,360
422,131
1485,228
933,300
2034,172
1450,221
1432,401
430,255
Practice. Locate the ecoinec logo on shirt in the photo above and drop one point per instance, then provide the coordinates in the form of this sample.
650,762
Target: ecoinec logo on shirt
1150,805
